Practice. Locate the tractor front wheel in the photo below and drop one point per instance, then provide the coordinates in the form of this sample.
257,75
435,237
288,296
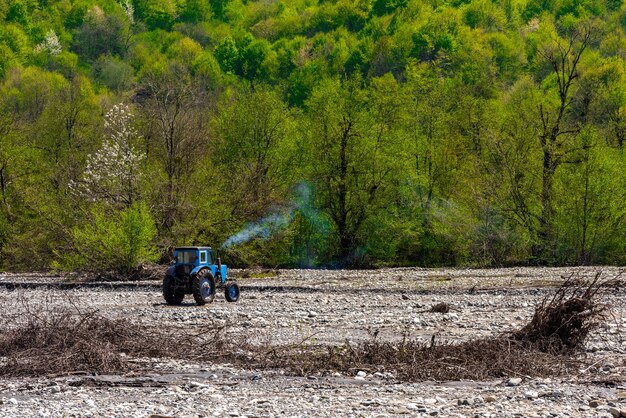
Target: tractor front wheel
203,287
172,294
232,292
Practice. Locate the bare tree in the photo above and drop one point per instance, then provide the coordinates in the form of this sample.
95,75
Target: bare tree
174,108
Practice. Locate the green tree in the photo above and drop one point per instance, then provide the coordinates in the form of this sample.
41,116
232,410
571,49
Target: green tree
353,150
556,130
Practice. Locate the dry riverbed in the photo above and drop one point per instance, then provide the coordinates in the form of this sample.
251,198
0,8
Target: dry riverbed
326,307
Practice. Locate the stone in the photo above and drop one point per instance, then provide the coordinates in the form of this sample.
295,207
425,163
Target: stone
490,398
615,412
401,410
531,394
594,403
405,296
621,395
514,381
312,314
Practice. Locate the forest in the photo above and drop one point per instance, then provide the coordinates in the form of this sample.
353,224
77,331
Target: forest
312,133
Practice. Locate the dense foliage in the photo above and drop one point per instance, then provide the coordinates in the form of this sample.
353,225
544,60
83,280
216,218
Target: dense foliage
334,132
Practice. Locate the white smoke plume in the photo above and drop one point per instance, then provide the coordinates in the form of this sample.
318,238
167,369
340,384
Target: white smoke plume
264,228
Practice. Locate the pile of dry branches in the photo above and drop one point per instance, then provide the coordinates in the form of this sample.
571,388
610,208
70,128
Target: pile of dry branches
561,323
68,340
544,347
71,341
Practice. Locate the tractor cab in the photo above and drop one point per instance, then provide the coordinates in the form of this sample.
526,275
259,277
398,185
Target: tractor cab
189,260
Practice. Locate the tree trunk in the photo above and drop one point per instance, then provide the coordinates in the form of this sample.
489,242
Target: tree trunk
547,208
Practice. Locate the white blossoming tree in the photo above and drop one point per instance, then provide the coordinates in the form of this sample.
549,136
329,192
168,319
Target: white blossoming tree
50,44
119,231
112,174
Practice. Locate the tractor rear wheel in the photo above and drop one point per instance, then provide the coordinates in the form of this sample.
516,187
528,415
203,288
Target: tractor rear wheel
171,293
203,287
232,292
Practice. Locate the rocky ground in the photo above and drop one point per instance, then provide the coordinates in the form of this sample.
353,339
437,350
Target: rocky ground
327,307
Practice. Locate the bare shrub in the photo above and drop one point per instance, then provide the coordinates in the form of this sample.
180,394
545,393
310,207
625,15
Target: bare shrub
69,341
415,360
563,321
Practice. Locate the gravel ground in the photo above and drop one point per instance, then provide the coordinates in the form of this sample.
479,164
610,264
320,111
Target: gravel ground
326,307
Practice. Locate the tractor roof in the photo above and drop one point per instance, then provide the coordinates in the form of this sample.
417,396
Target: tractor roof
191,248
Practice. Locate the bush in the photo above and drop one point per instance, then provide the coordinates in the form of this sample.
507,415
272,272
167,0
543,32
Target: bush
112,241
114,73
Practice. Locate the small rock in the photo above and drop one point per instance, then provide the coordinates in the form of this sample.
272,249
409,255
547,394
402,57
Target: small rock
405,296
531,394
13,401
621,395
312,314
360,375
401,410
615,412
490,398
514,381
594,403
55,389
197,385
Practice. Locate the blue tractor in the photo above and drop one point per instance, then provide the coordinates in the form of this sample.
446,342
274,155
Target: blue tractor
196,271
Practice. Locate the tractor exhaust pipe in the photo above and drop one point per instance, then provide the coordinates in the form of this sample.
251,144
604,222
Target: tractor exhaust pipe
219,265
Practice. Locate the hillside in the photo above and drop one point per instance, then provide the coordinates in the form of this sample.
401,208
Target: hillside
307,133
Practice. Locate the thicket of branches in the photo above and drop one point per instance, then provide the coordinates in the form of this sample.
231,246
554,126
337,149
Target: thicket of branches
36,341
368,132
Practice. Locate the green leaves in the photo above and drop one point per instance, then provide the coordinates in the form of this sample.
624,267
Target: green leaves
429,132
111,241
